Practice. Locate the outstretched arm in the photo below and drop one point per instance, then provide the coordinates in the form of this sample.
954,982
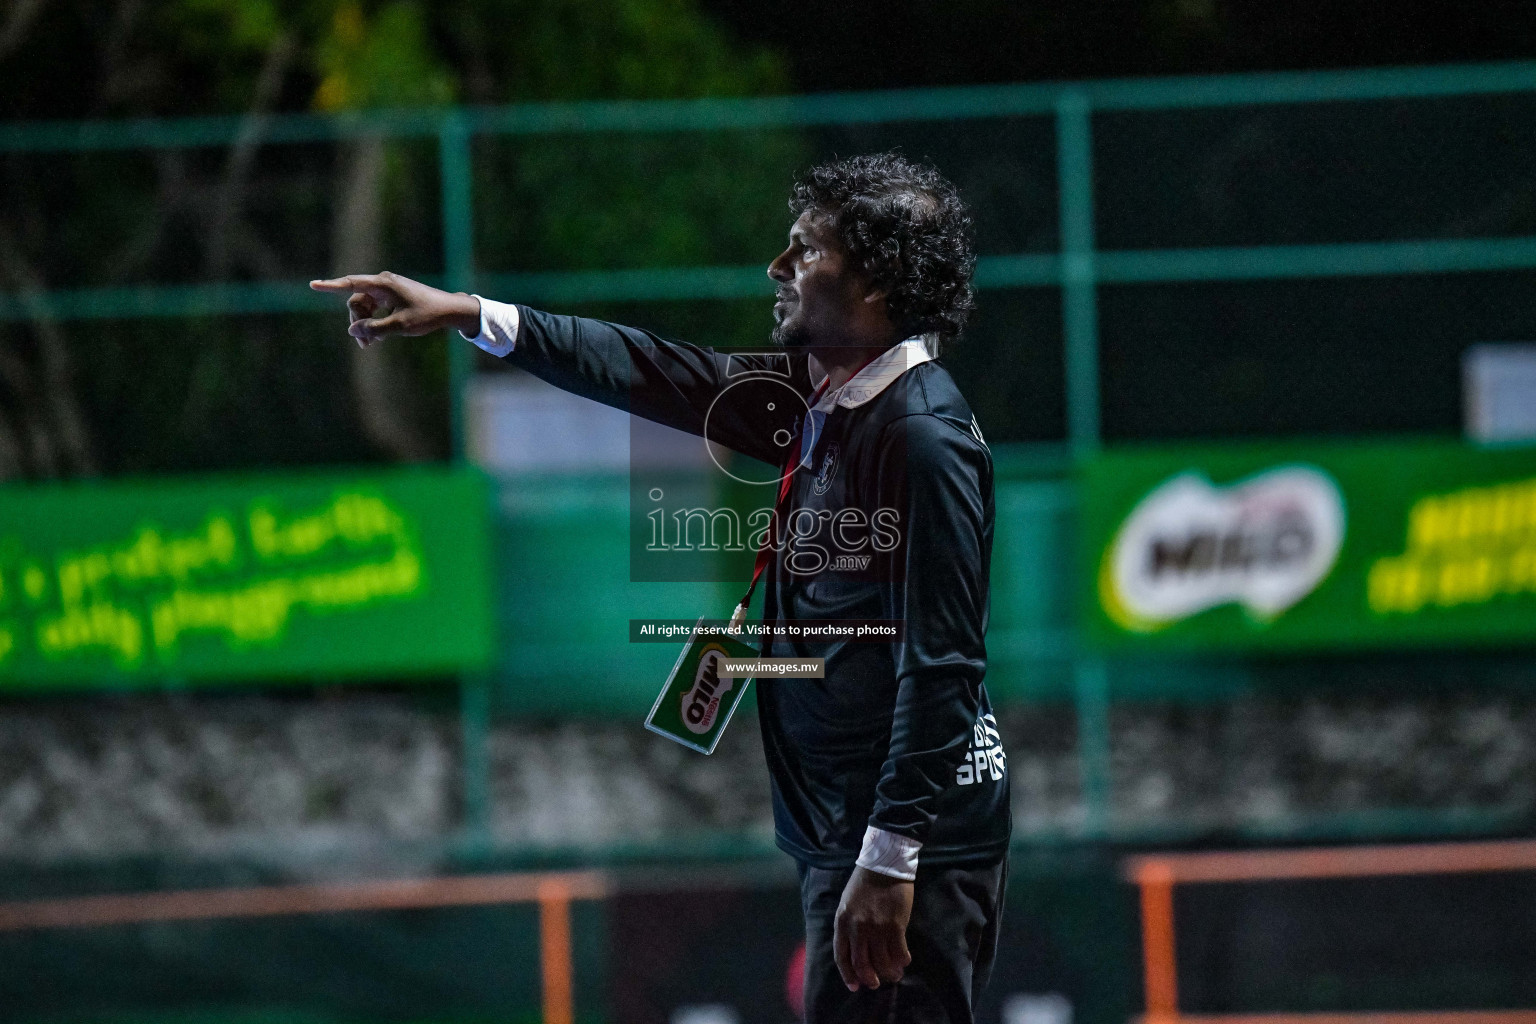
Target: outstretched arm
748,402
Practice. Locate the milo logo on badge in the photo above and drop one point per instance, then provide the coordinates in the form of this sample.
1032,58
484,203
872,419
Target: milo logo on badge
701,701
697,702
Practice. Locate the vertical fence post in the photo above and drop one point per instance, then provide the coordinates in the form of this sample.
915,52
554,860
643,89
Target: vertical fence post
1080,324
474,735
1080,315
1090,688
454,169
458,251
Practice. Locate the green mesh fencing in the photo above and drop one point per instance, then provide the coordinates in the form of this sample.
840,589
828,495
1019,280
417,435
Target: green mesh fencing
1250,255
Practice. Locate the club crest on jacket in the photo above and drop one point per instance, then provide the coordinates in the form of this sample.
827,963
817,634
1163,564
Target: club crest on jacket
828,466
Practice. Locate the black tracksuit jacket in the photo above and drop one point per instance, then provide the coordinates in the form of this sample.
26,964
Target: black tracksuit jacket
901,735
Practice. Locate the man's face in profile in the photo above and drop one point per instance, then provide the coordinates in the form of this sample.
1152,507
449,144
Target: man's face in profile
819,291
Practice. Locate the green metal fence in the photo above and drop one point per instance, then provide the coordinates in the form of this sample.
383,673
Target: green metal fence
1060,278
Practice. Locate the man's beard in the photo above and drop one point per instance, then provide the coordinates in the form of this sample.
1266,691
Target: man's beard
791,337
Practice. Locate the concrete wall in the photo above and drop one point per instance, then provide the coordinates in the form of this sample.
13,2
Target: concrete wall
365,774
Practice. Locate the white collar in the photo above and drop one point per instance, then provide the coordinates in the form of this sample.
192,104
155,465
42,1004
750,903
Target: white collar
874,378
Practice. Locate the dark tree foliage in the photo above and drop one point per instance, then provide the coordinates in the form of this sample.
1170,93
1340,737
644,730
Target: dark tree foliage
872,44
140,395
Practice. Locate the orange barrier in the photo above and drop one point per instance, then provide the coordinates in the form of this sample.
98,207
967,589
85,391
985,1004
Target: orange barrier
1156,874
555,942
1346,862
552,891
1162,980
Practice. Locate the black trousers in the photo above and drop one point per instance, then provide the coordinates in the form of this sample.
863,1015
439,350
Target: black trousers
956,912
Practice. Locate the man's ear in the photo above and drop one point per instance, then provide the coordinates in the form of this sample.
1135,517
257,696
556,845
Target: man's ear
874,291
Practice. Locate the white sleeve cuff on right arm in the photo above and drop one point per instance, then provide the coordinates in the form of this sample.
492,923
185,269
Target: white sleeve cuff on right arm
498,327
889,854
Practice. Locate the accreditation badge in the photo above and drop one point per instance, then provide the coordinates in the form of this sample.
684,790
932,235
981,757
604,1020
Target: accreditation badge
697,702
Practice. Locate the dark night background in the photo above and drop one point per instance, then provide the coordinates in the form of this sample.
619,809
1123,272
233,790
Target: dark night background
867,44
856,44
328,777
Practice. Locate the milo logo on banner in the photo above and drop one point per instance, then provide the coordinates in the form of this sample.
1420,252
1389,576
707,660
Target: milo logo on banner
1264,543
701,701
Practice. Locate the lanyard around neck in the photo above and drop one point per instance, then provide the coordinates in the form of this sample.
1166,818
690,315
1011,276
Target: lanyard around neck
770,537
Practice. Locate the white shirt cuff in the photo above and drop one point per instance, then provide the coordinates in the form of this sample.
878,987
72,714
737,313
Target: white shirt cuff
498,327
889,854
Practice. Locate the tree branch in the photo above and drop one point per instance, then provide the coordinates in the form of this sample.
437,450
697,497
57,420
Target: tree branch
229,197
20,18
384,399
69,439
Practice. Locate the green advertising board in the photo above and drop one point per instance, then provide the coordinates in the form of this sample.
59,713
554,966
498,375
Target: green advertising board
1309,546
302,575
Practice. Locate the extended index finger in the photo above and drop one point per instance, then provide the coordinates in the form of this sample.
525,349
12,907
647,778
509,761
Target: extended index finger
371,284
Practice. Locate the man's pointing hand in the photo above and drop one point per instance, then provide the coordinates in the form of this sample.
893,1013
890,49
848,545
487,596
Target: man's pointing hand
385,305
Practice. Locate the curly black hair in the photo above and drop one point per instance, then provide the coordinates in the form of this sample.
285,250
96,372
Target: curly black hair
905,225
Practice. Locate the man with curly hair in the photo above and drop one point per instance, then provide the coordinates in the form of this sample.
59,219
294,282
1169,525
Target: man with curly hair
890,785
